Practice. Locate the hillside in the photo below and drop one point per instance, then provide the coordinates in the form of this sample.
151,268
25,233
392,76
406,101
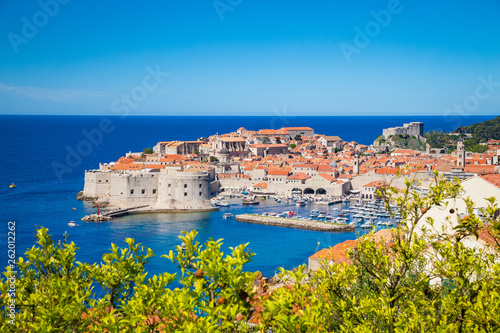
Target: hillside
400,141
481,132
472,135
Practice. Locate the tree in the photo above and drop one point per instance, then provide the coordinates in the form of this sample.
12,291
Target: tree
421,279
298,137
293,146
278,140
55,293
147,151
213,159
425,280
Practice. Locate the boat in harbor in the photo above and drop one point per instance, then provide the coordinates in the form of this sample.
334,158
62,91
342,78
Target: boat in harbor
250,201
300,203
367,225
228,216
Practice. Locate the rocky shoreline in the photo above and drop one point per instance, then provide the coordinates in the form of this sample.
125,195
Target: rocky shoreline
292,223
101,201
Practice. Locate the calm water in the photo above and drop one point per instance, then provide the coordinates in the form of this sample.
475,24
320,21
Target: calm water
30,146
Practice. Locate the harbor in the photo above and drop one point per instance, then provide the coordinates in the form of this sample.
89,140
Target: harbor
348,212
293,223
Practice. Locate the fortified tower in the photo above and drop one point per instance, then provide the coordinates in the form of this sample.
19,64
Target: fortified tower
460,154
355,166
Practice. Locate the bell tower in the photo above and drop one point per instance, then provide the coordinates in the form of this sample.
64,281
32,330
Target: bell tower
460,154
355,165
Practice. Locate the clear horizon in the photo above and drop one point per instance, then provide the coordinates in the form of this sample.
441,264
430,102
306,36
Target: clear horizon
250,58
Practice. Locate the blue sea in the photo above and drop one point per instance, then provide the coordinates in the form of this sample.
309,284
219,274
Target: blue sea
46,157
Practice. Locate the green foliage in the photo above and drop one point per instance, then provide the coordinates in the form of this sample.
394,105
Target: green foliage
298,137
425,279
266,140
147,151
293,146
441,140
406,142
380,140
55,293
489,129
278,140
213,159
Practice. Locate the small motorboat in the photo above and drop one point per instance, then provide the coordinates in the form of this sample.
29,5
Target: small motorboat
250,202
228,216
12,185
72,223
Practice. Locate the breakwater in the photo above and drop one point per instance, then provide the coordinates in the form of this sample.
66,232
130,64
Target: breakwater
293,223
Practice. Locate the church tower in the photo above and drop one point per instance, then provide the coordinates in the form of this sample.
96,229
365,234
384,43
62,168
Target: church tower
460,154
355,166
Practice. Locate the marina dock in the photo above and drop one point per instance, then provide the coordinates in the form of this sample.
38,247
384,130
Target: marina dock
293,223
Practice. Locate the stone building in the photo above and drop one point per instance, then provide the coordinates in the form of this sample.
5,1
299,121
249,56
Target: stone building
331,142
460,154
302,131
412,129
168,188
177,147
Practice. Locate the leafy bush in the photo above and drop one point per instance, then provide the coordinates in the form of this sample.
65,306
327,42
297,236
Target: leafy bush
423,280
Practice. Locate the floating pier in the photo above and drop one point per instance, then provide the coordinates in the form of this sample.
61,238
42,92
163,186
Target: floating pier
293,223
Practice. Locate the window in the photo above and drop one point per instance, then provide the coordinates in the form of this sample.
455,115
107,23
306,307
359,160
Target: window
185,194
99,181
154,191
143,191
169,185
200,194
185,185
131,191
107,181
200,185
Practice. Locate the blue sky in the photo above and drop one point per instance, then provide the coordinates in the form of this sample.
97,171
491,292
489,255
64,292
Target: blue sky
242,57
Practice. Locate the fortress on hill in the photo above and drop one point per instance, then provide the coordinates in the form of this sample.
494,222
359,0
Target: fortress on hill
412,129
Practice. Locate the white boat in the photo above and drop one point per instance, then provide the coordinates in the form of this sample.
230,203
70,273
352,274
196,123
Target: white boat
223,204
228,216
300,203
321,216
72,223
367,225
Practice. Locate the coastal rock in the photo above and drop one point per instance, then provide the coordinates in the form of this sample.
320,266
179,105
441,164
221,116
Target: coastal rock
96,218
81,197
293,223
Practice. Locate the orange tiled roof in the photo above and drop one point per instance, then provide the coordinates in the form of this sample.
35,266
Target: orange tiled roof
299,176
492,178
